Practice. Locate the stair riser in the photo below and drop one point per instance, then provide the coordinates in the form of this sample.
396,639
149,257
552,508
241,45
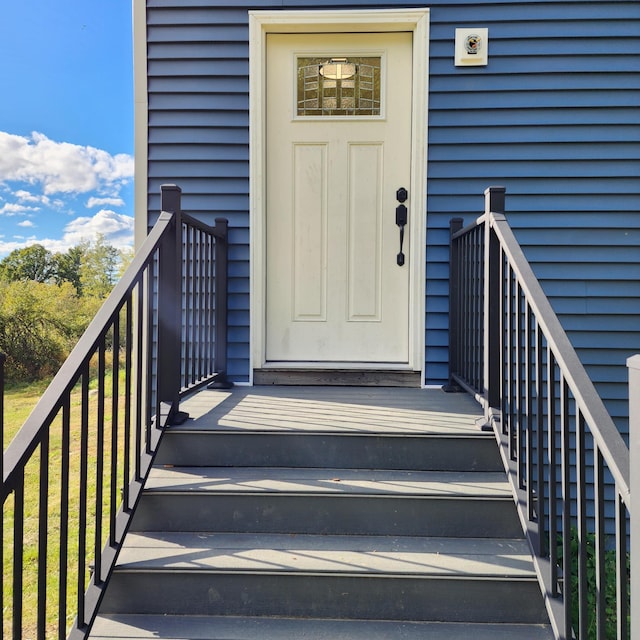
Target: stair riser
328,596
329,451
322,514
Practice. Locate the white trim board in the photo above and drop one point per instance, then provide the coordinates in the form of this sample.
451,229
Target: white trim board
261,23
141,119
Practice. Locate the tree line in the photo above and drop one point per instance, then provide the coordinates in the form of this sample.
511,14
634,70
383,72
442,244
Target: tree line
47,301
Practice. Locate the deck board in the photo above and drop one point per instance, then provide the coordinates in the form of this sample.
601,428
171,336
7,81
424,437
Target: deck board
328,481
334,409
327,554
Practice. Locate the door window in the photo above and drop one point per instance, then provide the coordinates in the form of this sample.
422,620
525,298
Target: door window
338,86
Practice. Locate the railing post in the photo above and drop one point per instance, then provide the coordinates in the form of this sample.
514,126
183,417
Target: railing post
494,210
169,350
221,311
633,365
455,225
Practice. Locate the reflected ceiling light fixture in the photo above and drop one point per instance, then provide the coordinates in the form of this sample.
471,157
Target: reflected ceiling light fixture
338,69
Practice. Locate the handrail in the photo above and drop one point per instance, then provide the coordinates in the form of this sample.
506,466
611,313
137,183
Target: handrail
562,451
78,464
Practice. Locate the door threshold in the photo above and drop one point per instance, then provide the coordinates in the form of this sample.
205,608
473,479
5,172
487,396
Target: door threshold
337,377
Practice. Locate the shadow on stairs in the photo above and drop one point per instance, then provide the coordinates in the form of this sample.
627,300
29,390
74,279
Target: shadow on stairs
326,512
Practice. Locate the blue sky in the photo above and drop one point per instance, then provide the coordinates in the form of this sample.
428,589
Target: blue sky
66,123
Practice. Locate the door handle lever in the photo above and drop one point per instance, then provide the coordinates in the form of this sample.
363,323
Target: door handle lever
401,220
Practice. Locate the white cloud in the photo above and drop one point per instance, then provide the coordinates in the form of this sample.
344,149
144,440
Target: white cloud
17,243
26,223
61,167
115,228
26,196
101,202
13,209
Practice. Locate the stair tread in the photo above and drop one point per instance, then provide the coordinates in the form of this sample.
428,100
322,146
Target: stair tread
163,627
283,553
231,546
328,481
397,411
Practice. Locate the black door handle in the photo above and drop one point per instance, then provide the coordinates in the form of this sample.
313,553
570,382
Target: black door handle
401,220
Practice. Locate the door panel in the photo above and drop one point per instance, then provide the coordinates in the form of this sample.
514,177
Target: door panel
334,292
365,232
309,233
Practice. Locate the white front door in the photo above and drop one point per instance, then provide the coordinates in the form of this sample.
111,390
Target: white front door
338,150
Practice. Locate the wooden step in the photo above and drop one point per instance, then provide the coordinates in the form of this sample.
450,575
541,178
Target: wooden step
328,501
437,452
487,557
384,578
167,627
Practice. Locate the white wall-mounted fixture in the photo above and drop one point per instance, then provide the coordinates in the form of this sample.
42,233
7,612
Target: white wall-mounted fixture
472,47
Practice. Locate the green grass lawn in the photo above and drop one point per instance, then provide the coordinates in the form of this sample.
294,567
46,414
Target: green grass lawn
18,404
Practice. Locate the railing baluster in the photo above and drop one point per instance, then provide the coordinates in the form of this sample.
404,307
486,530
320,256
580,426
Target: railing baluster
510,365
43,536
100,427
128,385
552,448
529,415
115,427
141,370
565,430
541,511
18,553
63,564
503,310
581,501
600,586
464,312
519,422
152,373
83,499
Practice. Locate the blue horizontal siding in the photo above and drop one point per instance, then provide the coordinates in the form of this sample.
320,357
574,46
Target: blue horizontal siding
553,117
559,127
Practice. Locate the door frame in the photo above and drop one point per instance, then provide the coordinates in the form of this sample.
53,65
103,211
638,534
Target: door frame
262,23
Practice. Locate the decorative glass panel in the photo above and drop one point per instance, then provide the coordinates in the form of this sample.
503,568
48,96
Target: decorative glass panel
338,86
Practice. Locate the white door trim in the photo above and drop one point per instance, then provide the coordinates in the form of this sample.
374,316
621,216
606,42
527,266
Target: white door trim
261,23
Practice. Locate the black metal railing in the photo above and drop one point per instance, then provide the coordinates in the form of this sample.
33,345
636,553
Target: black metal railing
74,472
567,462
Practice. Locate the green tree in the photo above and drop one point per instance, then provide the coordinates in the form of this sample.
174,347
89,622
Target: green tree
39,325
33,263
99,269
67,267
126,257
28,334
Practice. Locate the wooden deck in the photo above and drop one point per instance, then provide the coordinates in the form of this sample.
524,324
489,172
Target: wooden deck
326,512
327,409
